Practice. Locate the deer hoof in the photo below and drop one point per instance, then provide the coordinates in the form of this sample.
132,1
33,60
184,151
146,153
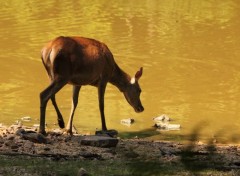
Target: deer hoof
43,132
61,124
68,132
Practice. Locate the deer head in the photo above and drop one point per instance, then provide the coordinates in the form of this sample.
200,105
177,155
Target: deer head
133,91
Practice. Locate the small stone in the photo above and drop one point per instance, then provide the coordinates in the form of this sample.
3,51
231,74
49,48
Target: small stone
46,149
9,143
82,172
1,140
131,154
20,132
28,145
34,137
99,141
14,147
68,138
10,137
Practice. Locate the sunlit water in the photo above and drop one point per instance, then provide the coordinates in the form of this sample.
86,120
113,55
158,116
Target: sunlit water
189,51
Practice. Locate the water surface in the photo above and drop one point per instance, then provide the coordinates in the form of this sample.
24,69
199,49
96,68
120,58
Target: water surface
189,52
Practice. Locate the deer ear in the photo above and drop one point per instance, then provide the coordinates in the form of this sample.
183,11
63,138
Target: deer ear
138,74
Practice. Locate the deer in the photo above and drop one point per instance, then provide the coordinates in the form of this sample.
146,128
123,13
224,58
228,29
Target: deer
81,61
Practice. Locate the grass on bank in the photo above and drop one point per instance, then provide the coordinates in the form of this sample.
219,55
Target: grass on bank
24,165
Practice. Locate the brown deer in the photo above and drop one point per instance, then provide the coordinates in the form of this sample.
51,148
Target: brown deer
82,61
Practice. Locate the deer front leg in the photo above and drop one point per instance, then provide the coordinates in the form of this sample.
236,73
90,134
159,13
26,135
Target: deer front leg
101,92
75,95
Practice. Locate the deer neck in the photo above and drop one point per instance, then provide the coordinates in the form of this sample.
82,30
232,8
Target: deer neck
120,79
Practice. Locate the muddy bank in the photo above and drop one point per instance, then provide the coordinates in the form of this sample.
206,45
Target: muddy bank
61,146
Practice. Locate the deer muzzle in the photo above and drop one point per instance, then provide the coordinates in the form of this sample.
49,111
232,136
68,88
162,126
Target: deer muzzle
139,109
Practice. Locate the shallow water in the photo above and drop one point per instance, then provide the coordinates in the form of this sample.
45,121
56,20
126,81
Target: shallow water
189,52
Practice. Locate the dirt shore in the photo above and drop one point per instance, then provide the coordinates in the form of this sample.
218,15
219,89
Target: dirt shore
61,146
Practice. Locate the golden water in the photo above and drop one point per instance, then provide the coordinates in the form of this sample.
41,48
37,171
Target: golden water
189,50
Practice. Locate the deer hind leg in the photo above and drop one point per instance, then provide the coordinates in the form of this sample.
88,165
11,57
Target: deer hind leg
45,95
60,118
75,95
101,91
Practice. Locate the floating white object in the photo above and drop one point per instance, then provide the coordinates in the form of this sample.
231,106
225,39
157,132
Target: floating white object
26,119
17,123
128,121
167,126
162,117
2,126
36,125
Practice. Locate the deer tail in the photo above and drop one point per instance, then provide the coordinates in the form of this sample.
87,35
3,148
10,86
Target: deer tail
48,57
